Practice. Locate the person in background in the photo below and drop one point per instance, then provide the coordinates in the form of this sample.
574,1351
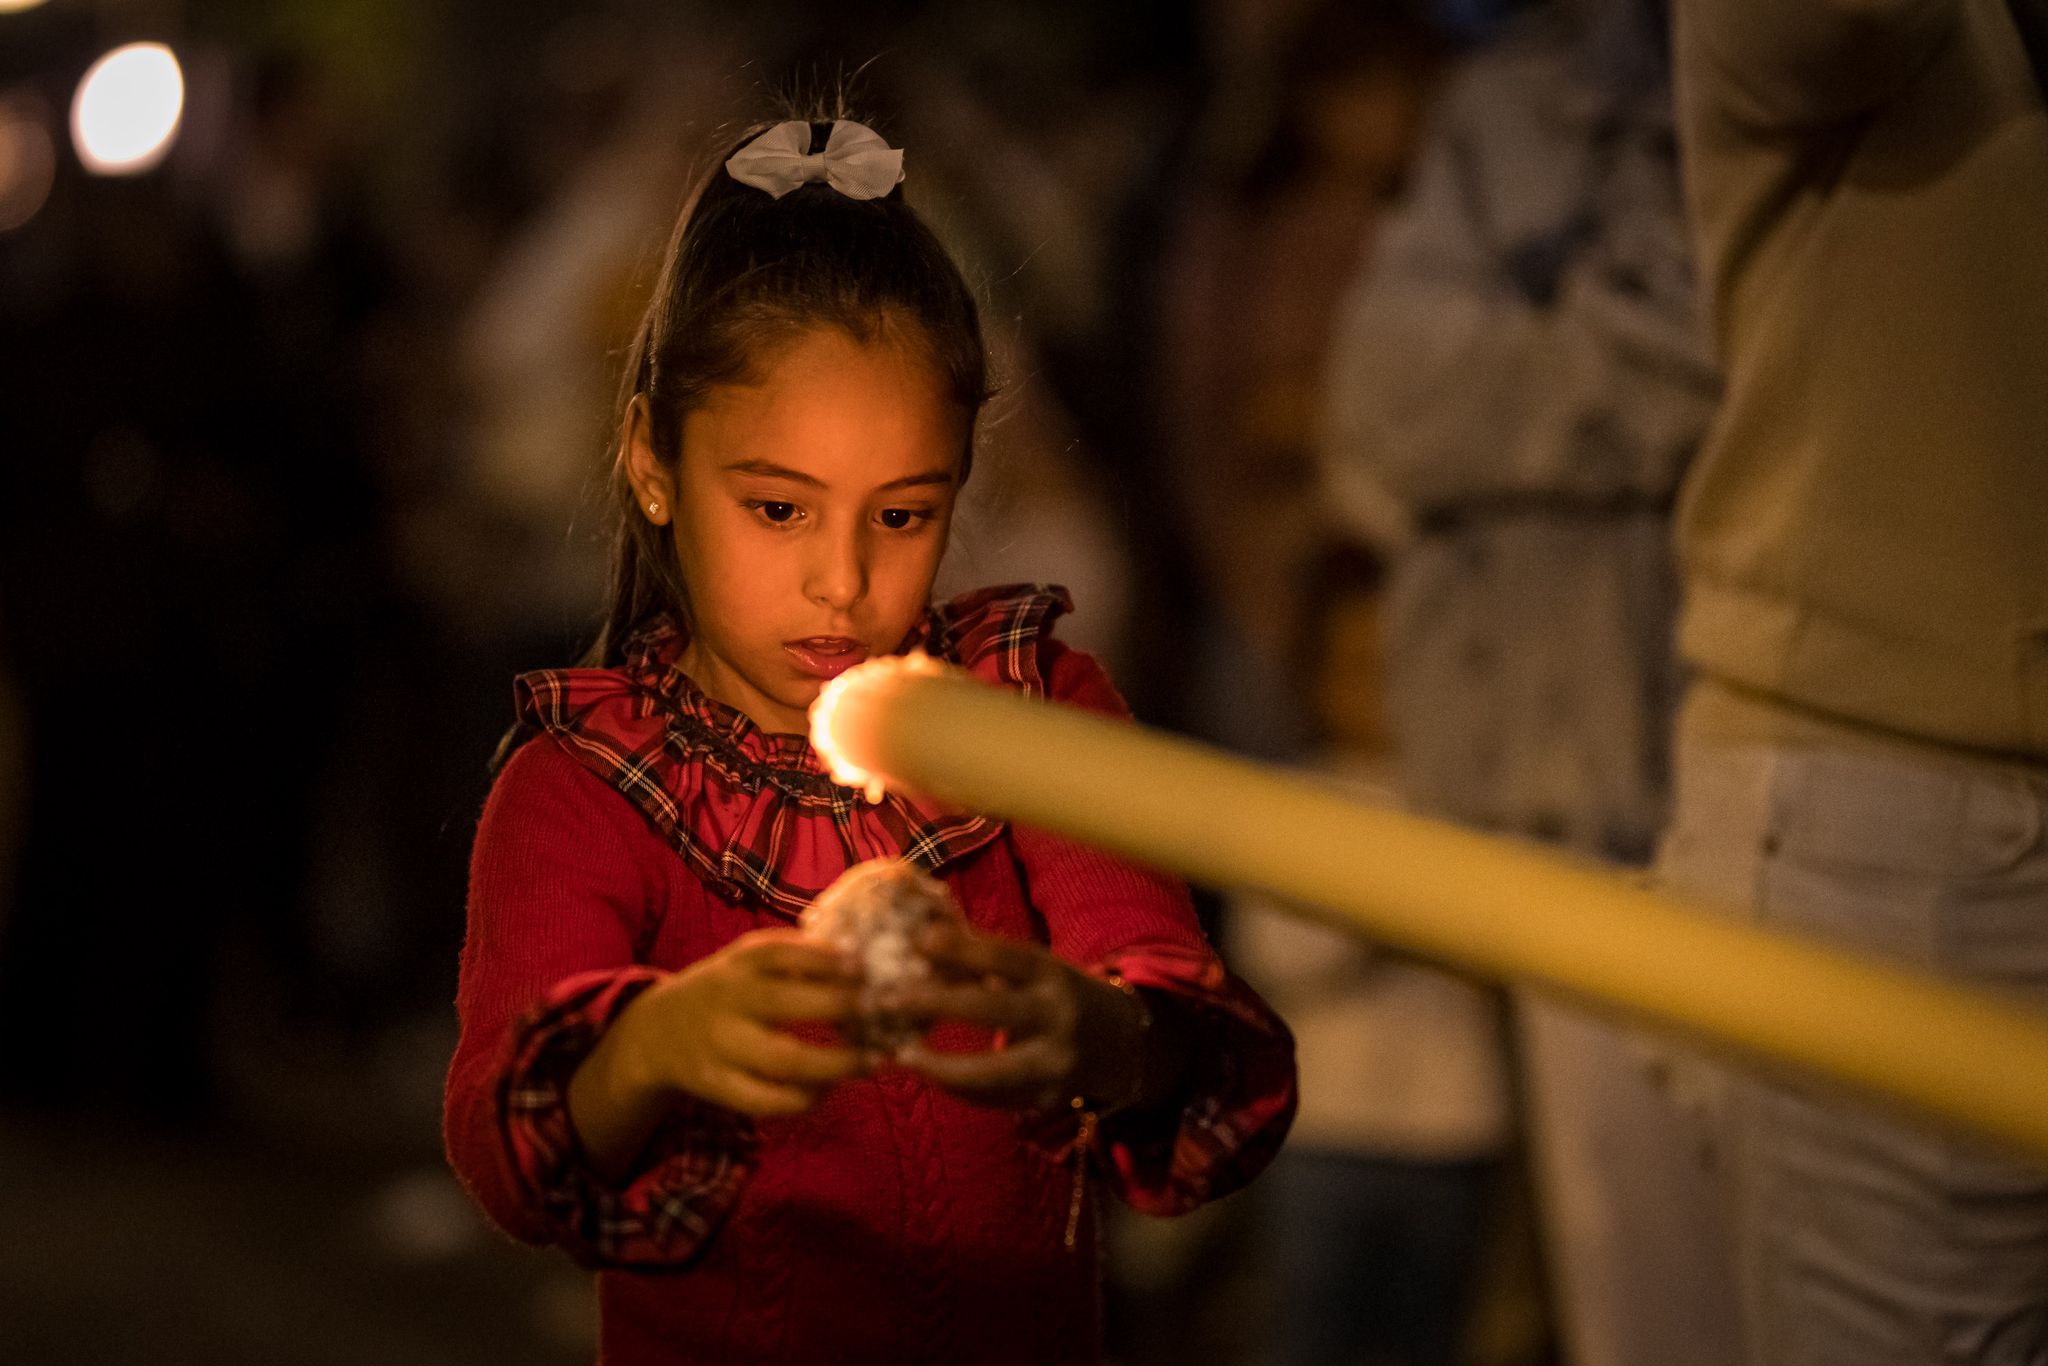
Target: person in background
1864,546
1267,221
1306,122
1377,1210
1519,378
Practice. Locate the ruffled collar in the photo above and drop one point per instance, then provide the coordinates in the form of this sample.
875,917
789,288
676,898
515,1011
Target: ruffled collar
754,813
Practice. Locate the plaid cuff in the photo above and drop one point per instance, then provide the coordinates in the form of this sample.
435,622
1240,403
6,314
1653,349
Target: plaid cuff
692,1171
1236,1104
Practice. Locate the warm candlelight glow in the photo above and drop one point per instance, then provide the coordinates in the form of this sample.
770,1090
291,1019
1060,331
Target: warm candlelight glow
825,715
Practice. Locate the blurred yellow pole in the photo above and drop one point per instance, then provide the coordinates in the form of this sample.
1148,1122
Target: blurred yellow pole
1495,907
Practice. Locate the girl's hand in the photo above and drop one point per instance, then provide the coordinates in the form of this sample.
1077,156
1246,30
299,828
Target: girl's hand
713,1030
1061,1033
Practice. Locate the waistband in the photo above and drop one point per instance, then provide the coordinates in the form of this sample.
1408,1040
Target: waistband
1716,712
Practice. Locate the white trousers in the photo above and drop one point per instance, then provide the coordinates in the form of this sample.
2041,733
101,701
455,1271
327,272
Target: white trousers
1700,1216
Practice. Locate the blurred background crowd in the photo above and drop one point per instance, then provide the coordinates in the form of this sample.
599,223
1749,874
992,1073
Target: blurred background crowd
1349,357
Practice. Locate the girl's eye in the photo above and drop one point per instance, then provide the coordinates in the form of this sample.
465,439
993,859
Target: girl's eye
903,519
781,514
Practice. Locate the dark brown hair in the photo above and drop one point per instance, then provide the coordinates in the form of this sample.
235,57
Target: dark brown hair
743,273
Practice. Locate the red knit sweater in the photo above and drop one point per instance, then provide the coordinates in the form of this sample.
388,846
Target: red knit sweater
892,1223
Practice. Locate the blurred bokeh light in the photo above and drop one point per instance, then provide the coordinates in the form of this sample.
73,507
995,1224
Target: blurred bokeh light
127,111
28,165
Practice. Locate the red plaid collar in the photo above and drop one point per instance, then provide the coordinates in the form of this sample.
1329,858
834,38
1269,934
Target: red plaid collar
754,813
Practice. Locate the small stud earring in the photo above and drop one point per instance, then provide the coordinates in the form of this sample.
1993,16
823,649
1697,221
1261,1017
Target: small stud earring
653,509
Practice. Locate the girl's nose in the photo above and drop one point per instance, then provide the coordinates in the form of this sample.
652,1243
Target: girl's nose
837,575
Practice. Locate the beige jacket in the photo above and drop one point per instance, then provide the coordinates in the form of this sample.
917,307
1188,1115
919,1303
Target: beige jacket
1865,535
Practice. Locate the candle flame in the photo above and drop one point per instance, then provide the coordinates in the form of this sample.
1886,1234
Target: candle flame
826,719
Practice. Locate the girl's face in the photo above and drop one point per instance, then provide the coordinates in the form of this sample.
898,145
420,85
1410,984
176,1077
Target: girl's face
809,511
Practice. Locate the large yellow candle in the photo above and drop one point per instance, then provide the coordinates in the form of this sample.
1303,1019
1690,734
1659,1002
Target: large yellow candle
1497,907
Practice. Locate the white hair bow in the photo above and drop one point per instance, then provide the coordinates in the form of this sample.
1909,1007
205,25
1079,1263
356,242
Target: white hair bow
856,161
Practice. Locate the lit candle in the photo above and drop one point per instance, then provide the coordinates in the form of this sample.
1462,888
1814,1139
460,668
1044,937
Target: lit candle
1496,907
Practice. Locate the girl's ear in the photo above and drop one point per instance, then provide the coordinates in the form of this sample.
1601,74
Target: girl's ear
653,487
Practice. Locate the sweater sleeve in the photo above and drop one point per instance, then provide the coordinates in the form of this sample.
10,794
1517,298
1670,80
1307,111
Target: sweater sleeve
562,894
1108,916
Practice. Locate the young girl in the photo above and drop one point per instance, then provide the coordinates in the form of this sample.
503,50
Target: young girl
652,1070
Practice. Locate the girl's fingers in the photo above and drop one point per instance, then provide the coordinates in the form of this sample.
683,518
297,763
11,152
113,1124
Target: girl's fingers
1019,1012
787,953
962,953
1028,1068
780,1058
752,1095
785,1000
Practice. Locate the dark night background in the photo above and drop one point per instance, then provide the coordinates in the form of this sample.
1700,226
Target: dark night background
299,444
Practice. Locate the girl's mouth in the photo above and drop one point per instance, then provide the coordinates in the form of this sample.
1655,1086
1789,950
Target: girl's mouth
825,656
